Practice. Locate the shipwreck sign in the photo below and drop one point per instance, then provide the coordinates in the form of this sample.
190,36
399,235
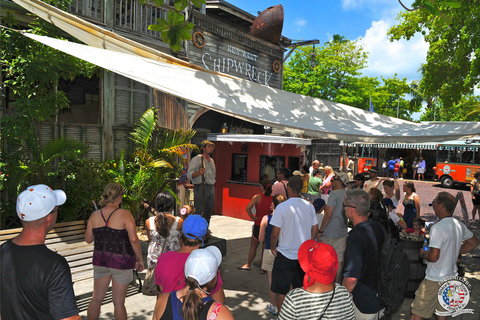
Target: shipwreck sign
219,48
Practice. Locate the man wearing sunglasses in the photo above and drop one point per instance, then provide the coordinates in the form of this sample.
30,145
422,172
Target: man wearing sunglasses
362,256
36,282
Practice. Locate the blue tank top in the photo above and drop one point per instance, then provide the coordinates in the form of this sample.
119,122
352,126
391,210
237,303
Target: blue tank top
173,309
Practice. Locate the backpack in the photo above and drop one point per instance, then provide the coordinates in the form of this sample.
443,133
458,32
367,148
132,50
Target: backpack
393,274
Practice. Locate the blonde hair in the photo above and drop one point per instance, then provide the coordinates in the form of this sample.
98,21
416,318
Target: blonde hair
328,170
111,192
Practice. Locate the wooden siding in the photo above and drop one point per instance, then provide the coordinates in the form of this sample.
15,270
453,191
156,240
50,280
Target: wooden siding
171,114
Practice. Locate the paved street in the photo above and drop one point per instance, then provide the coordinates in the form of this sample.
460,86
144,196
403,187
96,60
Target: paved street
247,291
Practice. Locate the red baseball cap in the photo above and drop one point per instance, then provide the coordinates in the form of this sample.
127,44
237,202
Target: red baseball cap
319,261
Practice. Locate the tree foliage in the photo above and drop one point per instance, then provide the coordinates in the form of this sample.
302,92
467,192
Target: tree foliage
158,160
333,72
453,59
175,28
32,72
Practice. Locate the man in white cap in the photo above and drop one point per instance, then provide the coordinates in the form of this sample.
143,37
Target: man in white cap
201,172
36,282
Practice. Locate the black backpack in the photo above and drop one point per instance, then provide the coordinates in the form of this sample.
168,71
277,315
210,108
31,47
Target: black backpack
393,274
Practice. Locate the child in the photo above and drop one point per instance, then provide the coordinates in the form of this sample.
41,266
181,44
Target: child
418,227
186,210
268,257
396,169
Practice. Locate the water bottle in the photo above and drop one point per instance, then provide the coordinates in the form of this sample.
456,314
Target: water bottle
425,247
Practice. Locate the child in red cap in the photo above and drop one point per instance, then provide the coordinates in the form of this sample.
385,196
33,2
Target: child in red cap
320,297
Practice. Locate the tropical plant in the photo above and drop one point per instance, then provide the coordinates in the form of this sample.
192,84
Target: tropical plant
40,163
175,28
158,160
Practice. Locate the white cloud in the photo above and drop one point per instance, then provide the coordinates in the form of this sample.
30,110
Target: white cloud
300,23
387,58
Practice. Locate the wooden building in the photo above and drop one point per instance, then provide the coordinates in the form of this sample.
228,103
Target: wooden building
104,109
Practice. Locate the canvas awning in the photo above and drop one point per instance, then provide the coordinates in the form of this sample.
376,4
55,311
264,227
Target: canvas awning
302,115
422,146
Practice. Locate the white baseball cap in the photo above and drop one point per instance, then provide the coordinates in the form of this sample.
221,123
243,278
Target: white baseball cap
202,264
37,201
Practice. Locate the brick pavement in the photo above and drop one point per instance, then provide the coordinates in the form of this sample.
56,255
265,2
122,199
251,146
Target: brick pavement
247,291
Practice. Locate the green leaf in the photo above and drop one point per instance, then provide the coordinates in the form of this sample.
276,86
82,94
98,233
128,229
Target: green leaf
198,3
179,6
431,7
158,3
446,18
185,33
456,4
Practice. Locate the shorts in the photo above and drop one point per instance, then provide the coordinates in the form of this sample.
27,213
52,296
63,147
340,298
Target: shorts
338,245
286,273
120,276
256,231
476,201
426,300
368,316
268,260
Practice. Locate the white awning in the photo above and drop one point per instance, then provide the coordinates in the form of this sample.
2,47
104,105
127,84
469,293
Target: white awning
423,146
258,138
302,115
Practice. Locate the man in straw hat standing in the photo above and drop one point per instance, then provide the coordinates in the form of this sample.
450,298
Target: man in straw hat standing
36,282
201,172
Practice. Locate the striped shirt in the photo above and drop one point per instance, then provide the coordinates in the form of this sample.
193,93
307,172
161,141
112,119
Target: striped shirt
300,304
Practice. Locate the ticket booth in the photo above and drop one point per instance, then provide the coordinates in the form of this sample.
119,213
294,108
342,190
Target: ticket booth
240,161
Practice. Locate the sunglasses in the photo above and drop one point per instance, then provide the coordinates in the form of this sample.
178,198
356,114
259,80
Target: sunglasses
348,206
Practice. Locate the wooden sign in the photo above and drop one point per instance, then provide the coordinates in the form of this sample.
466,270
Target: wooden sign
221,48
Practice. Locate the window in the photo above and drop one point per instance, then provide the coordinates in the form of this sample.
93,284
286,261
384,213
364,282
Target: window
476,155
239,167
293,163
279,162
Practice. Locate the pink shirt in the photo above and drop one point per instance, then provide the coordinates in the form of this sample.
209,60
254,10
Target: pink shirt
280,187
170,274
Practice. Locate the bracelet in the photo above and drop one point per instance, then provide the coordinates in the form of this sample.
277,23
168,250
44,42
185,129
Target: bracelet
401,219
320,231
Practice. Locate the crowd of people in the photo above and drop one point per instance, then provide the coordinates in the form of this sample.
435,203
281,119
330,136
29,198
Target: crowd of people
326,237
397,168
321,233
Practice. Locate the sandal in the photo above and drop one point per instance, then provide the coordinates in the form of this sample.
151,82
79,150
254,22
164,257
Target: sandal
244,268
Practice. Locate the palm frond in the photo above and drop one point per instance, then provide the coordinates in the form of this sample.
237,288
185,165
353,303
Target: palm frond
142,133
62,147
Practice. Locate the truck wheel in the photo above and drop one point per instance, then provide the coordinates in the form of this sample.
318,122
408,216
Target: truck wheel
447,182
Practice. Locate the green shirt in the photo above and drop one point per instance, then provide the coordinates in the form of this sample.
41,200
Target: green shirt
314,184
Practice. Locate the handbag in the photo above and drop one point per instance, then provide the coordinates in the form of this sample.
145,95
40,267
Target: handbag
476,188
149,286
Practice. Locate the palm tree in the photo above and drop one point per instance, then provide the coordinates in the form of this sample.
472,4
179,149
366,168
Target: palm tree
159,159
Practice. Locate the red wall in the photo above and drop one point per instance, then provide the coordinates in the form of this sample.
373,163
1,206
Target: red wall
231,199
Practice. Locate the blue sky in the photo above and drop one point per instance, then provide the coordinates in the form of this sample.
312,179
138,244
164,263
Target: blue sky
365,20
